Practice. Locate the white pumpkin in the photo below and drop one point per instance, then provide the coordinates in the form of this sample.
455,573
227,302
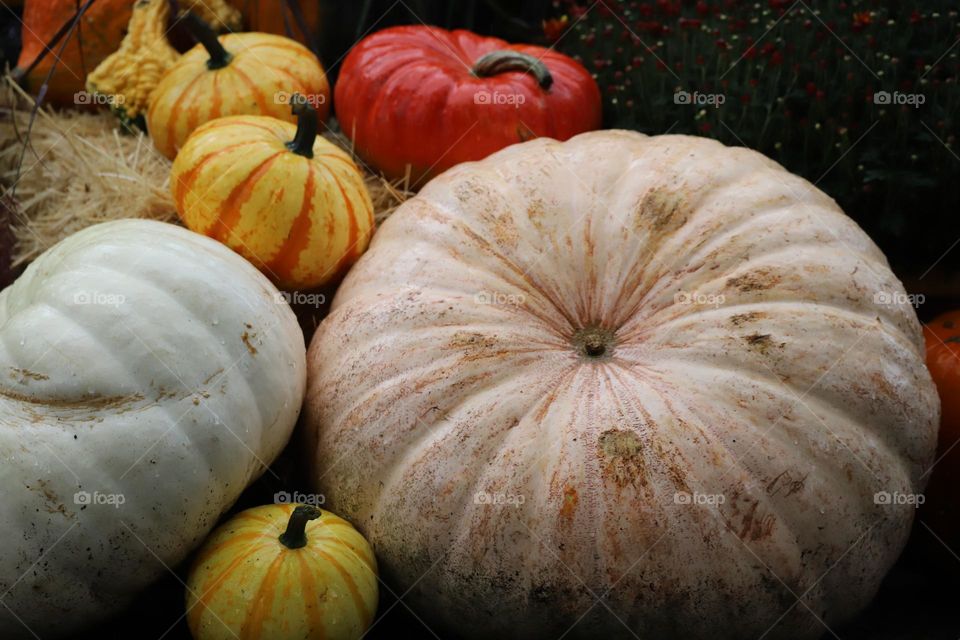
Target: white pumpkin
147,375
624,385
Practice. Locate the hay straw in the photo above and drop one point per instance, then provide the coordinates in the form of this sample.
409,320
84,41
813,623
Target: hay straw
81,168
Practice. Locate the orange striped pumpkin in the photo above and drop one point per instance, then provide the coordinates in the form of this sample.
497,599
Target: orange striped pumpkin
235,74
289,201
283,572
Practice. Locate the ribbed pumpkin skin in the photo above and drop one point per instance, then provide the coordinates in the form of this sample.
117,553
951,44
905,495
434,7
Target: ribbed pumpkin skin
450,366
302,221
140,359
245,584
263,67
406,96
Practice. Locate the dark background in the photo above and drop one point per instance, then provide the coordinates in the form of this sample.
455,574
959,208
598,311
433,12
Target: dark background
899,180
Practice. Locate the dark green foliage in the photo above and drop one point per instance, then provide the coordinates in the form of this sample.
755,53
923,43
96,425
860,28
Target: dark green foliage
797,82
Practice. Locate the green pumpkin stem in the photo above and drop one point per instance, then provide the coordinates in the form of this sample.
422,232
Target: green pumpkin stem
504,60
295,536
201,31
302,142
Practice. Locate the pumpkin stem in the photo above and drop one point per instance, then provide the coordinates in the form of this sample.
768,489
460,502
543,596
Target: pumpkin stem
295,536
594,342
302,142
201,31
504,60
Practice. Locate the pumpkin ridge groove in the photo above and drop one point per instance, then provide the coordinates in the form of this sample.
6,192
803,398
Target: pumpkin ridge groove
408,457
317,628
345,577
363,401
523,274
230,212
206,595
186,181
853,431
173,117
765,306
539,407
287,257
252,86
335,539
262,601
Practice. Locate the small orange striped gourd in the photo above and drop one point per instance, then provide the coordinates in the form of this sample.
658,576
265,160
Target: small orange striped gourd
235,74
286,199
282,572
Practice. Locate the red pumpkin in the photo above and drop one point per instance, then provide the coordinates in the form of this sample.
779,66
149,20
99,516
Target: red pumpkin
431,98
942,509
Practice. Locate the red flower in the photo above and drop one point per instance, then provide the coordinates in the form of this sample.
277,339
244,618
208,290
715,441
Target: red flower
811,89
555,27
690,23
745,98
861,19
915,17
702,8
776,59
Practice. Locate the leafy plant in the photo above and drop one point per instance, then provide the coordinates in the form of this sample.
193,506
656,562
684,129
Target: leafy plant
858,97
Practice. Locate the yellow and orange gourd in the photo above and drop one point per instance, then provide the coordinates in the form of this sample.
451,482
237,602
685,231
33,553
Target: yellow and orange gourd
131,73
235,74
283,572
286,199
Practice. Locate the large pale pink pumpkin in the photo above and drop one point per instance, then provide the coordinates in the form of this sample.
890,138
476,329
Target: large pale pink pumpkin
624,385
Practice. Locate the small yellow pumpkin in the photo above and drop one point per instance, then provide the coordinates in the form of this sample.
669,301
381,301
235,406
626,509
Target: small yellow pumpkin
235,74
286,199
283,572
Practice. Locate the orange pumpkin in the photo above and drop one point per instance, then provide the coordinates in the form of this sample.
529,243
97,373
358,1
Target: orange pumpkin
266,16
942,509
283,572
235,74
96,37
289,201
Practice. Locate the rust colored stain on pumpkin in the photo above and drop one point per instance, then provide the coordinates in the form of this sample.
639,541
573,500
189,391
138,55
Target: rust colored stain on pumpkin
622,455
25,374
759,280
246,341
761,342
662,211
756,527
570,500
742,318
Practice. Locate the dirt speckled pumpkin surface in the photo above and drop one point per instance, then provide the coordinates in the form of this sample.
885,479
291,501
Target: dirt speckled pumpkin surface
653,368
